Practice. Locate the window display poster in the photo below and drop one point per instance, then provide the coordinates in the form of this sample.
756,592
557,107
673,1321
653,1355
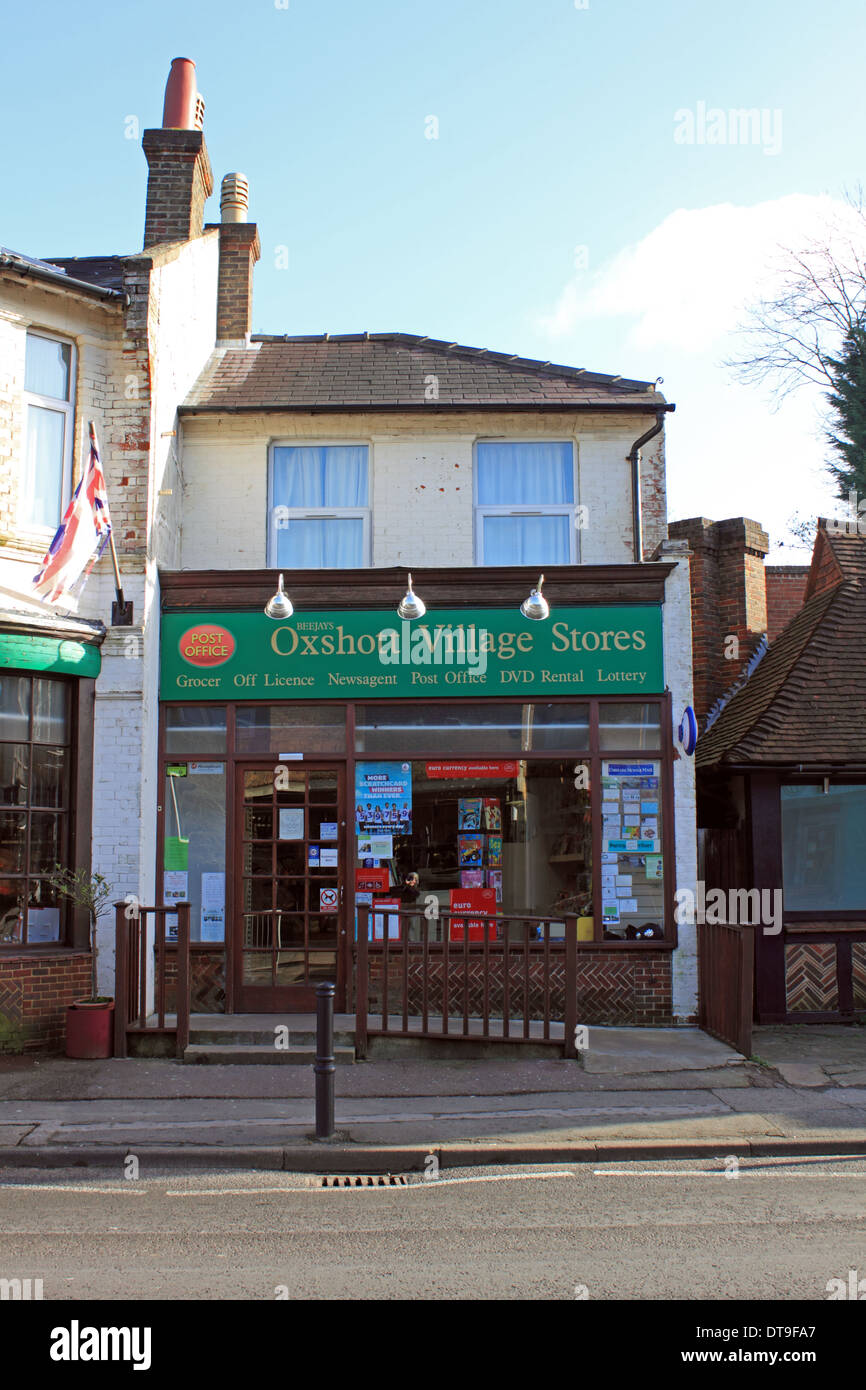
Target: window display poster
494,851
469,810
383,798
328,830
213,927
376,847
385,910
43,924
654,866
370,881
329,858
492,813
470,851
213,891
175,886
291,822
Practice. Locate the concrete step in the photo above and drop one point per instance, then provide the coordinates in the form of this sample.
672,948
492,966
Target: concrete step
236,1054
232,1036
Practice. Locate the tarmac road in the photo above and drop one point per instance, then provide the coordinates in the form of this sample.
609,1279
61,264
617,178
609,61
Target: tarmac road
652,1230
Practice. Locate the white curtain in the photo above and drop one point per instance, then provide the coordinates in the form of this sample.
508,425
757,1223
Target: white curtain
321,477
520,474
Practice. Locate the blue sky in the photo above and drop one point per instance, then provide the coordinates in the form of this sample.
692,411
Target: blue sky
555,131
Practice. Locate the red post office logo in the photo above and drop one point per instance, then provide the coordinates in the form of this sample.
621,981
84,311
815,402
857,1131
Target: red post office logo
208,645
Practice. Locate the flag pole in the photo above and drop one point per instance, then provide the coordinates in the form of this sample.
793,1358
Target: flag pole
121,610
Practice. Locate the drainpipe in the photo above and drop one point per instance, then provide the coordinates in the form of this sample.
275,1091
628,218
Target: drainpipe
634,459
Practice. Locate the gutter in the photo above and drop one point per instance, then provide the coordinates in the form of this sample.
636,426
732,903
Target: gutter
63,628
60,279
634,460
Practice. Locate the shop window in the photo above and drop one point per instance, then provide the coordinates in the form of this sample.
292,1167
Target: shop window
319,515
521,830
194,845
35,762
290,729
475,728
193,729
49,425
823,834
632,874
628,725
525,497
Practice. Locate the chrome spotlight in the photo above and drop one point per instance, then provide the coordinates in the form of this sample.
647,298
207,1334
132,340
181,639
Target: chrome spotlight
411,606
536,606
280,606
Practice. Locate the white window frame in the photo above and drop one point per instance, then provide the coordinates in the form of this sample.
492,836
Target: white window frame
364,514
568,509
64,408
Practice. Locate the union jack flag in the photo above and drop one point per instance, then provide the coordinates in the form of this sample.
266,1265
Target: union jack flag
85,529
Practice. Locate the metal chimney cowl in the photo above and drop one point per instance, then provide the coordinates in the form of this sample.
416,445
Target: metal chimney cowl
234,198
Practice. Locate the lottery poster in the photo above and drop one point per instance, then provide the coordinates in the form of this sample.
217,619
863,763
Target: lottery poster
383,798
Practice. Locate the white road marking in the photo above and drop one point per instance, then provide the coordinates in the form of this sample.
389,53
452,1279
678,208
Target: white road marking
714,1173
409,1187
55,1187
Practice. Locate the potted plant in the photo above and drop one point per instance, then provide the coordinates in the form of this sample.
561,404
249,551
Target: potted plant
89,1022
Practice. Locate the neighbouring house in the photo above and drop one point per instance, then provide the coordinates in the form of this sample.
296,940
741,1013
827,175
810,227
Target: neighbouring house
531,760
118,340
782,762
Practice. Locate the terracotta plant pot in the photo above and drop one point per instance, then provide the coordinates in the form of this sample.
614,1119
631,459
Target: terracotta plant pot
90,1028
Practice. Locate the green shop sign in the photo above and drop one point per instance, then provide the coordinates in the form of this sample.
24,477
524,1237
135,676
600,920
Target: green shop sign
59,658
357,654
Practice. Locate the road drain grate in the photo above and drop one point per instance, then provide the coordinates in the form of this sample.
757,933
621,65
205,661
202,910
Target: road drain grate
364,1180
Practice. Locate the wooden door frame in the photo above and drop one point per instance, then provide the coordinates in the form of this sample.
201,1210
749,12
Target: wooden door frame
234,948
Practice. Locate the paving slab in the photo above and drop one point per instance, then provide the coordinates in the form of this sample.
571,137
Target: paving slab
803,1074
640,1050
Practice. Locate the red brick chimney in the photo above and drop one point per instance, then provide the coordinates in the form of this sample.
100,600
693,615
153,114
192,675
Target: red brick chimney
729,600
179,179
239,251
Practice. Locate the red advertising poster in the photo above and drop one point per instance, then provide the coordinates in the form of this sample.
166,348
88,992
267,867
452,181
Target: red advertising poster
371,880
385,910
481,902
474,769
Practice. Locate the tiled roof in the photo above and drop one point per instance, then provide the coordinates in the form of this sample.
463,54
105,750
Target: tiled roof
79,275
805,703
105,271
401,371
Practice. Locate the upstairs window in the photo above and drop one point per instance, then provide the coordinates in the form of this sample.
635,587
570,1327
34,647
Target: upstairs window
319,510
525,499
49,426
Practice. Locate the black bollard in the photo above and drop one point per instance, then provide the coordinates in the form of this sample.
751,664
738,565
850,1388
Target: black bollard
325,1065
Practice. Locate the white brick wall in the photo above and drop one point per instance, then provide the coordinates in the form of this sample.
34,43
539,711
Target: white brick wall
422,484
678,673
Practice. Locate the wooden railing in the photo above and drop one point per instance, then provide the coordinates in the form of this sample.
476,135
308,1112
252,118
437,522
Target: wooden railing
135,937
511,985
726,982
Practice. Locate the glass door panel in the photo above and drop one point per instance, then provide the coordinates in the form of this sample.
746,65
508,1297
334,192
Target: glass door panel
289,884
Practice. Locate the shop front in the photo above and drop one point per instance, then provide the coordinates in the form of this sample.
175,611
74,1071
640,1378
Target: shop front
48,670
469,760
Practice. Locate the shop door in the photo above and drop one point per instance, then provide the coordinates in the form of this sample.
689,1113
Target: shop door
289,885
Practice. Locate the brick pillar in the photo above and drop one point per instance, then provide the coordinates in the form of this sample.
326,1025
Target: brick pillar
179,183
239,250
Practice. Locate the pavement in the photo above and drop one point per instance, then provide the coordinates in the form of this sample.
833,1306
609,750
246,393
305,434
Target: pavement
632,1093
